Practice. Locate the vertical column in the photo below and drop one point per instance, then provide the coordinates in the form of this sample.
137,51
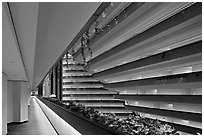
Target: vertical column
10,103
43,88
29,96
18,95
4,104
56,82
46,87
23,101
40,89
51,82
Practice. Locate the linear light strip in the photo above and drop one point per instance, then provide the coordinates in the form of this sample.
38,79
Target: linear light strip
62,126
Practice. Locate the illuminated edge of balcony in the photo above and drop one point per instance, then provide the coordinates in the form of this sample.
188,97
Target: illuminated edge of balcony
60,125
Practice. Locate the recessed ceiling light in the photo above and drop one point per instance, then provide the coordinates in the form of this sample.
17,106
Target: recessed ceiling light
12,61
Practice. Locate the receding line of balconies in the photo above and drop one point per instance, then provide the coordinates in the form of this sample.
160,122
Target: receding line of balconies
84,89
74,70
73,79
68,75
89,99
139,14
76,73
79,80
191,49
128,89
137,27
190,108
89,93
79,76
109,13
87,83
164,80
178,36
84,82
177,19
194,99
185,89
97,100
130,9
73,63
186,64
119,18
71,87
77,65
65,66
168,113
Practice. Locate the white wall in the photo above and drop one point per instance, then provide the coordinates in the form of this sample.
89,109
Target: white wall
10,98
4,104
24,101
17,106
16,100
29,96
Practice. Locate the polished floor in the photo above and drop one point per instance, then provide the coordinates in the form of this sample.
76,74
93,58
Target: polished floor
37,124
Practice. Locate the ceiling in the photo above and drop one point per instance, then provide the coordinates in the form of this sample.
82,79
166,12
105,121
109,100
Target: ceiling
44,30
12,64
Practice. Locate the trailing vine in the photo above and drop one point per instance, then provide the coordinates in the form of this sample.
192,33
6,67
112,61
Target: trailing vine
85,39
83,48
88,36
67,60
134,124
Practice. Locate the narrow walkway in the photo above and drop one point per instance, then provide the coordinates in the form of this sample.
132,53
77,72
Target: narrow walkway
37,123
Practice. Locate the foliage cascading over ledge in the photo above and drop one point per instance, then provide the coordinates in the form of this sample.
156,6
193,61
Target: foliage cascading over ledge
135,124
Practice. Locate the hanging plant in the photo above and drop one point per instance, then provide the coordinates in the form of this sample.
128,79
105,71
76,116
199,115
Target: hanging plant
104,14
135,124
97,29
73,51
82,49
66,55
125,13
88,37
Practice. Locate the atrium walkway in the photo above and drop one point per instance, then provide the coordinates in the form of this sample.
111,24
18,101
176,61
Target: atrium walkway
37,123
